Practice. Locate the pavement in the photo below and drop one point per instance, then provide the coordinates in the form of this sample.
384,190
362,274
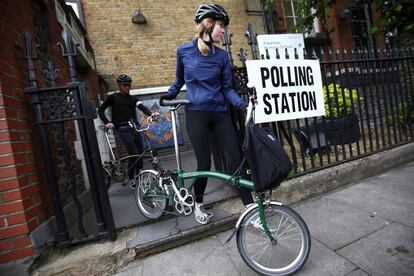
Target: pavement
359,214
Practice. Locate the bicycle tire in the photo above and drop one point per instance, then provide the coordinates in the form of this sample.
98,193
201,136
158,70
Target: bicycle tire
293,245
145,190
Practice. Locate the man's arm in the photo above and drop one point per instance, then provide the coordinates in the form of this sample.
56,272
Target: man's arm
143,108
101,110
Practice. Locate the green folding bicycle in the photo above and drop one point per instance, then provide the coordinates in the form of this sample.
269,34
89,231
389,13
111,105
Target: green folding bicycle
272,238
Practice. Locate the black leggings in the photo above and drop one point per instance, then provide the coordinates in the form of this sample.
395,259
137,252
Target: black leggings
132,142
199,125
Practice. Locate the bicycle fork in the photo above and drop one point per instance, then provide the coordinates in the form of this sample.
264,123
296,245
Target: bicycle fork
261,208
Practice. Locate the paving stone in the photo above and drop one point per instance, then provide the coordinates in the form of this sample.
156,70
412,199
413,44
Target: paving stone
174,226
389,251
390,196
336,224
207,258
323,261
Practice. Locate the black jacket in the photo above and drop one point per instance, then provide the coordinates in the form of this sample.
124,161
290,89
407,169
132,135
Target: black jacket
123,108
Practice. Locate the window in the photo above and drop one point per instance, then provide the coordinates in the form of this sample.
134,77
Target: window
77,8
360,23
293,15
260,17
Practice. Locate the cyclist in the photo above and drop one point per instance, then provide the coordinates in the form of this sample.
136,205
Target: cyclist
123,106
207,74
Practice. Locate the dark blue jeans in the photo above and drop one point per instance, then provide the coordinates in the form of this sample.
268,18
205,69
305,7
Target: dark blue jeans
132,142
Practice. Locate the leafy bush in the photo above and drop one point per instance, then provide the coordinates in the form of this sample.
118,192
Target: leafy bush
401,115
341,104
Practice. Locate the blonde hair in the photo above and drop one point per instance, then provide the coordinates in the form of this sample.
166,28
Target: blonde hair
206,26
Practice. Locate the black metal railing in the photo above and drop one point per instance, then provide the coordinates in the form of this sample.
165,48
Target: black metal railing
56,108
369,104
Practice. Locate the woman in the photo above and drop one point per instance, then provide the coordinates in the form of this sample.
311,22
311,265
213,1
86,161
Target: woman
206,72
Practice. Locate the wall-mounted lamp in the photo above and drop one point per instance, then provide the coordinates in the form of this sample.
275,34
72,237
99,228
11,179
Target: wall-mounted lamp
138,17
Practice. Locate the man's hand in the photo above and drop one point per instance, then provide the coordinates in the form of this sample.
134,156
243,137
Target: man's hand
155,115
110,125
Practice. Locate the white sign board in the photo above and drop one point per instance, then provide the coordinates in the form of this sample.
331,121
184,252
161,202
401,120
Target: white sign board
286,89
281,42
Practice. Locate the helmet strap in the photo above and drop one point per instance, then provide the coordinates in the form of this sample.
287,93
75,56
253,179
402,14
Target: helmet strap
212,44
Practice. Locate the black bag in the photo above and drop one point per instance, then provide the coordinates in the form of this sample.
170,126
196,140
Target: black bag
266,157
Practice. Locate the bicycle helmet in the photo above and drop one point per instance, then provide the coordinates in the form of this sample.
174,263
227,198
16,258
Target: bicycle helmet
212,11
123,79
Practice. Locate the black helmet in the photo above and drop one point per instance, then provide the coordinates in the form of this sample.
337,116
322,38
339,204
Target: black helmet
123,79
212,11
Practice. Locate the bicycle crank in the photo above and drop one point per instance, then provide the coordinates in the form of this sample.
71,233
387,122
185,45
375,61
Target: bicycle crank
184,202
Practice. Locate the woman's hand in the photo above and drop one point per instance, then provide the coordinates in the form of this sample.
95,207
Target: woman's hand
110,125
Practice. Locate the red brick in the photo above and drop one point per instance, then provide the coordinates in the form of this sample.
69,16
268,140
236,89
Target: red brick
6,172
8,208
16,219
9,184
32,225
7,160
14,103
22,147
2,223
35,211
29,190
5,148
13,81
4,246
28,202
5,136
25,168
13,231
22,241
18,125
15,255
2,113
11,196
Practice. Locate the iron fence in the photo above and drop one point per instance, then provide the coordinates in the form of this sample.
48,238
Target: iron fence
369,102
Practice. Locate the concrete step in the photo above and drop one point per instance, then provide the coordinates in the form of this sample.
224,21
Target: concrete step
160,236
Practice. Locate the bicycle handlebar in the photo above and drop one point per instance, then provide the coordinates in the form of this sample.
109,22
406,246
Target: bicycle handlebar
174,103
133,125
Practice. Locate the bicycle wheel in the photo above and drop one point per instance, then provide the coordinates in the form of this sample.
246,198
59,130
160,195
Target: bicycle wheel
146,192
292,246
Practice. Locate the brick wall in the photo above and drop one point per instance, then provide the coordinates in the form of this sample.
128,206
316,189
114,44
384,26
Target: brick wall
24,194
19,184
147,52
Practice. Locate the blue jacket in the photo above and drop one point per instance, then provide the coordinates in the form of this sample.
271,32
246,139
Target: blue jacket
209,79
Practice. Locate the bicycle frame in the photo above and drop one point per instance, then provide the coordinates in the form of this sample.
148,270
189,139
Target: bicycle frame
114,160
236,181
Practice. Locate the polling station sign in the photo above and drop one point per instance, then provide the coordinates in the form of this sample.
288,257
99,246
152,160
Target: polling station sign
286,89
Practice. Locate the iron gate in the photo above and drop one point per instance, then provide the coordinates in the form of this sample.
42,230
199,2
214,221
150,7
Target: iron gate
56,108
